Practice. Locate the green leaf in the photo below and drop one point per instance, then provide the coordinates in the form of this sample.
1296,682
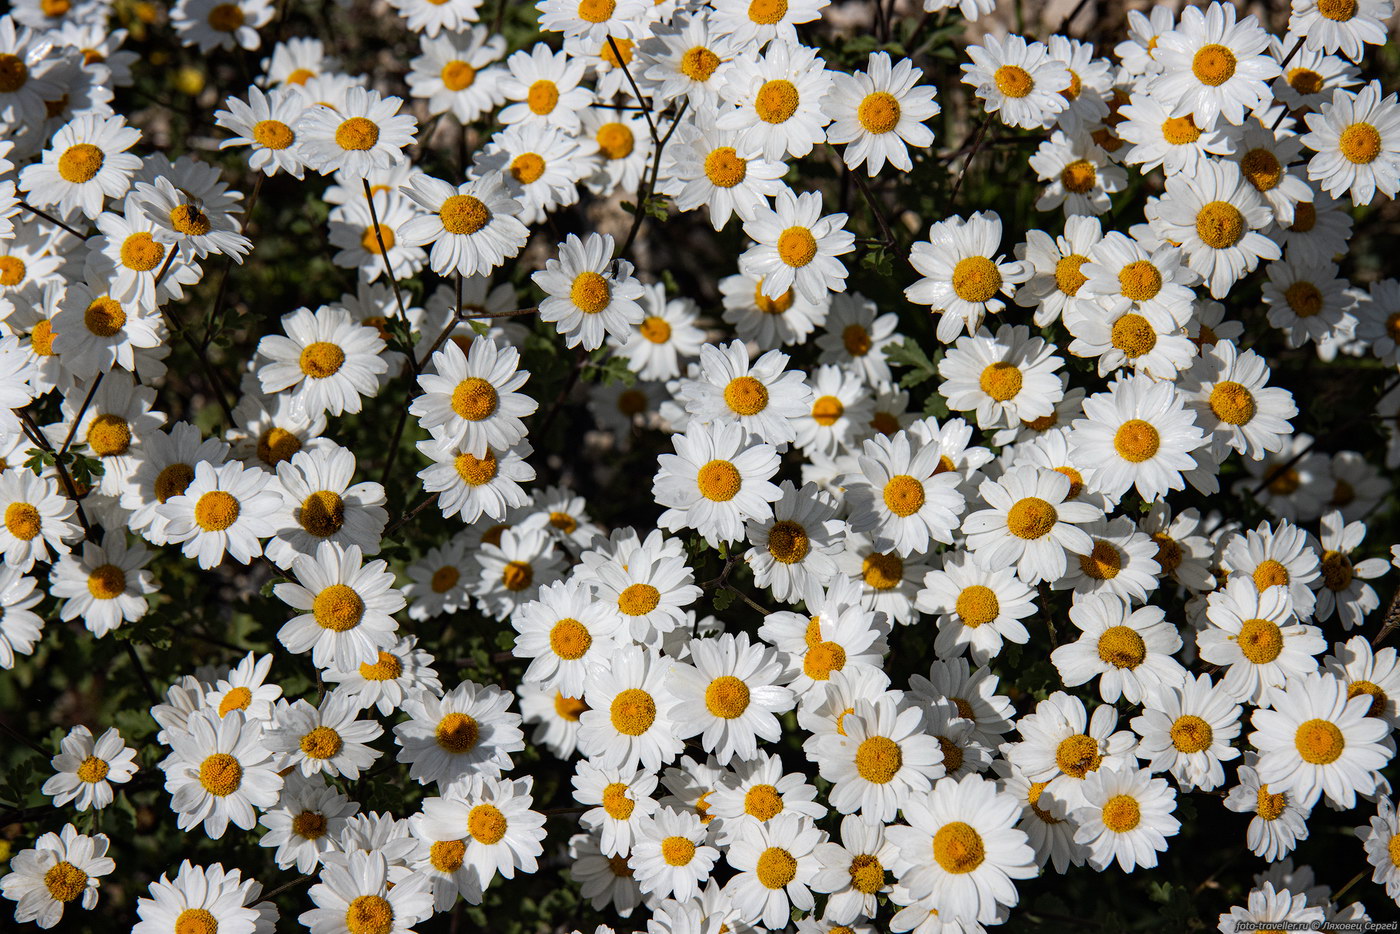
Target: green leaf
910,354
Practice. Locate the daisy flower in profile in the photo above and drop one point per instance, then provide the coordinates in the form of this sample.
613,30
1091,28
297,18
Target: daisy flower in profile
205,895
670,858
327,360
454,73
702,165
796,247
796,549
86,769
667,335
1373,672
1226,387
431,17
453,740
961,849
20,626
473,227
1255,634
1126,818
107,586
628,718
1380,839
1213,65
1017,80
878,113
776,863
1346,26
588,293
244,688
881,762
214,24
777,98
401,671
904,497
225,509
964,277
1129,651
1356,138
326,740
727,695
85,163
1280,822
1319,738
565,632
365,134
1189,730
219,771
356,895
1218,219
264,124
345,607
762,397
1138,434
1031,523
60,868
471,400
715,482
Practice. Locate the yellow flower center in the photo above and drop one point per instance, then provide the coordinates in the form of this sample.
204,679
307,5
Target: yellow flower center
1213,65
878,112
1190,734
107,582
724,168
656,330
369,914
616,802
719,481
615,140
92,770
1269,573
797,247
309,825
1000,380
570,639
638,600
527,167
879,759
1319,742
104,317
517,575
1076,480
590,293
569,708
1304,298
1136,441
322,513
357,134
189,220
1033,799
596,11
633,711
1121,813
1232,403
226,17
1336,570
788,542
22,521
80,163
677,851
236,699
623,45
1140,281
1013,81
1102,563
882,571
457,733
1079,176
1068,278
216,510
273,134
958,848
1168,552
476,471
65,881
976,279
1260,641
1134,335
542,97
1379,699
776,867
776,101
464,215
977,605
12,272
387,668
447,855
1031,518
1262,168
1220,225
337,608
827,410
321,359
474,399
1122,647
14,73
1339,11
698,63
457,75
856,340
1078,755
322,743
1268,806
727,697
904,495
220,774
563,522
109,435
275,446
822,659
867,873
767,12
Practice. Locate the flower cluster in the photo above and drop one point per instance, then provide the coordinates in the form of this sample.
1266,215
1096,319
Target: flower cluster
825,609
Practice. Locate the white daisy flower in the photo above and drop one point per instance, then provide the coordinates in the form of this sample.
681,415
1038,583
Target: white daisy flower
20,627
904,497
494,818
1080,175
605,881
628,717
1127,818
758,791
1373,672
430,17
565,633
1029,523
1255,634
85,163
1319,738
93,332
454,73
225,509
1017,80
401,671
1214,65
327,360
1226,388
1345,27
670,858
715,482
202,897
346,607
1273,905
589,294
210,24
622,800
1122,274
513,570
356,895
1356,138
979,607
775,867
460,737
702,165
879,759
474,486
728,695
471,400
796,247
1138,434
796,550
107,586
264,123
777,98
1007,380
543,166
667,335
1282,557
1149,338
364,133
473,226
1061,743
1343,587
1280,822
218,772
855,338
86,769
325,740
1379,839
1189,731
320,504
841,410
243,688
762,397
165,468
878,113
963,275
60,868
1129,651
